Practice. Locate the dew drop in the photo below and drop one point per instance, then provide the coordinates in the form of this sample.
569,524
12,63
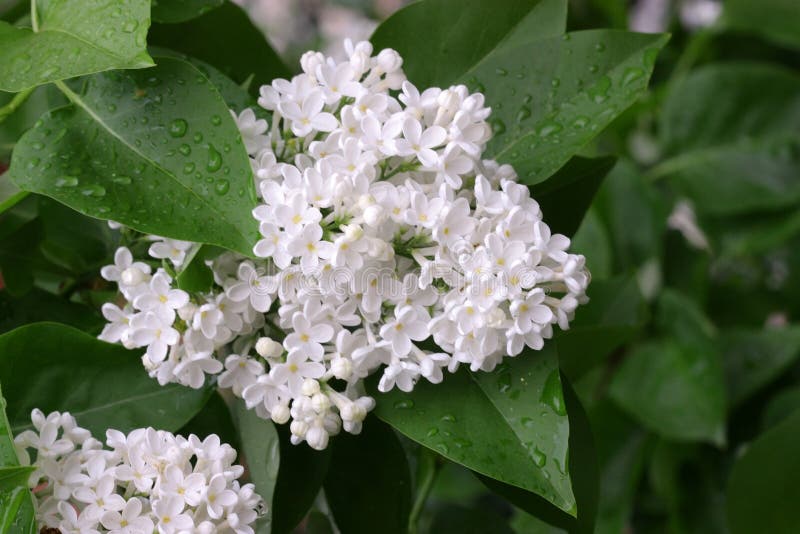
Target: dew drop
122,180
523,113
66,181
548,128
631,75
185,149
198,137
599,47
406,404
552,394
214,159
222,186
216,120
94,190
501,72
130,26
580,122
538,457
449,418
498,126
177,128
432,432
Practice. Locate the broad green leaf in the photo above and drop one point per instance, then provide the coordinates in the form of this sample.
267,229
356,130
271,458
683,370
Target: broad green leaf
10,194
438,47
16,501
510,424
781,407
754,358
566,196
592,240
634,214
102,385
620,445
733,131
551,97
300,477
615,313
181,10
762,490
39,305
228,40
368,481
74,38
261,450
776,20
675,389
156,150
583,468
41,100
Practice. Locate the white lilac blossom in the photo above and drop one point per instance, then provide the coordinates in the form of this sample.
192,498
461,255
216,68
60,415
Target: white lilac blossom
145,481
388,245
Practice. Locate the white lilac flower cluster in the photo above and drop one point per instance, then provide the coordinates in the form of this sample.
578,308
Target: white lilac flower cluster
388,245
145,481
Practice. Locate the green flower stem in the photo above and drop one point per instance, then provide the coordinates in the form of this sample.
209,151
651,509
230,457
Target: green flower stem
15,103
429,466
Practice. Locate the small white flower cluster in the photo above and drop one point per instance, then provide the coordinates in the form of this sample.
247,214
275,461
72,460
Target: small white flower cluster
146,481
383,233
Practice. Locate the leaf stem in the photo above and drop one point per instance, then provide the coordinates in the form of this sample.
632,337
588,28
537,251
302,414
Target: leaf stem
15,103
429,466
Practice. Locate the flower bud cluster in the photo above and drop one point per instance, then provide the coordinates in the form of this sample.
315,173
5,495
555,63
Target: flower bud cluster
387,245
145,481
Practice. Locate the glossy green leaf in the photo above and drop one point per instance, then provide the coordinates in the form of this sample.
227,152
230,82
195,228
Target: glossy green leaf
16,501
565,197
510,424
228,40
754,358
776,20
583,468
550,97
368,481
196,276
181,10
438,48
39,305
261,450
733,131
300,476
674,389
102,385
459,519
615,313
74,38
151,149
762,490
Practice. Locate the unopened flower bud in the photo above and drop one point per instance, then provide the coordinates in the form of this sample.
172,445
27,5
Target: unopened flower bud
310,387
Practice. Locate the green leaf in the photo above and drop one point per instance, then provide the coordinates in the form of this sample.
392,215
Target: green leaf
734,133
776,20
754,358
181,10
151,149
614,315
781,407
510,424
260,447
592,240
38,305
102,385
566,196
551,97
16,501
196,276
300,476
438,47
673,388
762,490
73,39
10,194
634,214
228,40
583,469
368,481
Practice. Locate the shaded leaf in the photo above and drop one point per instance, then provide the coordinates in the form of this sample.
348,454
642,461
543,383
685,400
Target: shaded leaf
776,20
368,481
181,10
510,424
102,385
